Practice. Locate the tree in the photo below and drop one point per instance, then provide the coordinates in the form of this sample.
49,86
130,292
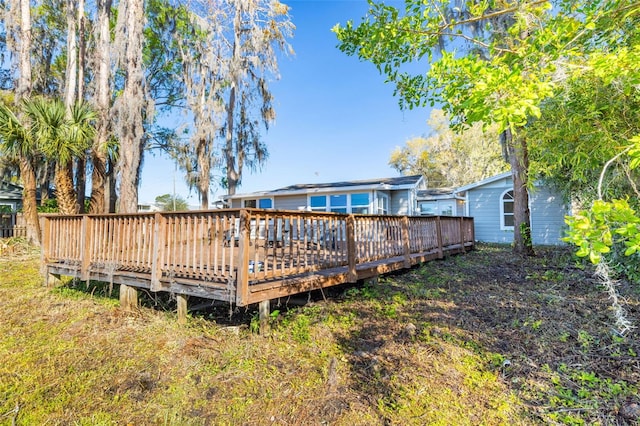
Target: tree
259,27
45,130
449,158
17,143
99,201
587,123
130,106
171,203
61,136
201,59
501,64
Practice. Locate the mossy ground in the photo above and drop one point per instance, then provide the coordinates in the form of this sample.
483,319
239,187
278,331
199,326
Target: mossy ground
484,338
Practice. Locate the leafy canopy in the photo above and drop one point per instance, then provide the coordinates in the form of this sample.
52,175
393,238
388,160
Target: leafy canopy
500,59
449,158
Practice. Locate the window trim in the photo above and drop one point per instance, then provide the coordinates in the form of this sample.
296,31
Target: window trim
319,208
328,207
360,206
504,227
380,209
13,206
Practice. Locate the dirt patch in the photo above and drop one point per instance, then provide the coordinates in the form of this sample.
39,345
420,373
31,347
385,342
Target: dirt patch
545,319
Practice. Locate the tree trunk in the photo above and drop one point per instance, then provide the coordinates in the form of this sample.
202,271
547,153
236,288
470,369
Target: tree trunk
29,201
130,107
81,184
232,175
65,192
204,169
44,177
72,57
519,159
23,88
81,163
111,194
82,51
99,202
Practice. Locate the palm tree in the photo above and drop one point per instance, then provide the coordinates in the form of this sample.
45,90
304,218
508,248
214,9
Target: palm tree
45,128
62,137
17,143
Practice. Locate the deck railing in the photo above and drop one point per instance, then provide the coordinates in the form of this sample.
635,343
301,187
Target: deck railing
239,251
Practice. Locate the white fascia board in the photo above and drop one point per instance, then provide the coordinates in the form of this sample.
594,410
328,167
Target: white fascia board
483,182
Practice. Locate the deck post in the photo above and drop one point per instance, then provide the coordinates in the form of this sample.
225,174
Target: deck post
44,249
51,280
128,297
183,301
264,308
352,275
461,226
439,237
242,277
406,244
156,254
85,248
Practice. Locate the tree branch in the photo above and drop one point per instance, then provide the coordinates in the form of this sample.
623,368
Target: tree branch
490,15
606,166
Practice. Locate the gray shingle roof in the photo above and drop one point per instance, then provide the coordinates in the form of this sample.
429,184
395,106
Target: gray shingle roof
394,181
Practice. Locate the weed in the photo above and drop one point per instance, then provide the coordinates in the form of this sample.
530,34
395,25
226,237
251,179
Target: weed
585,339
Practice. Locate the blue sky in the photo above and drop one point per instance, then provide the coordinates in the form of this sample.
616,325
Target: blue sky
336,118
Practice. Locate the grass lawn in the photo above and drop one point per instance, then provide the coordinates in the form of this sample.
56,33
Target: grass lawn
483,338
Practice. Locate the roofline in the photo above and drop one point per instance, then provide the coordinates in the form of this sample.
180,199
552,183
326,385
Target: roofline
373,186
483,182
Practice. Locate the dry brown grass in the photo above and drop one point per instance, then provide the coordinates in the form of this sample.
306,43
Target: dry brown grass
484,338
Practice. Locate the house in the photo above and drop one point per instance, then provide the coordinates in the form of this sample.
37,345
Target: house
490,202
440,201
10,197
10,202
395,196
148,208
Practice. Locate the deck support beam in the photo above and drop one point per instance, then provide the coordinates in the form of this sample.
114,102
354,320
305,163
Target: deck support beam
128,297
265,310
51,280
182,300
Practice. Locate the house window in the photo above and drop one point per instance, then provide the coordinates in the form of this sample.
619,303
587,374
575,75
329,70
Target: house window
360,203
265,203
318,203
446,208
261,203
428,208
7,207
338,203
383,204
506,210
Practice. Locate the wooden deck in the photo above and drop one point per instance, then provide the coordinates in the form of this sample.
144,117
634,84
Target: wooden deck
244,256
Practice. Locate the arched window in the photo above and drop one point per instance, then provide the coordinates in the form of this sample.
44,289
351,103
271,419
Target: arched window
506,210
